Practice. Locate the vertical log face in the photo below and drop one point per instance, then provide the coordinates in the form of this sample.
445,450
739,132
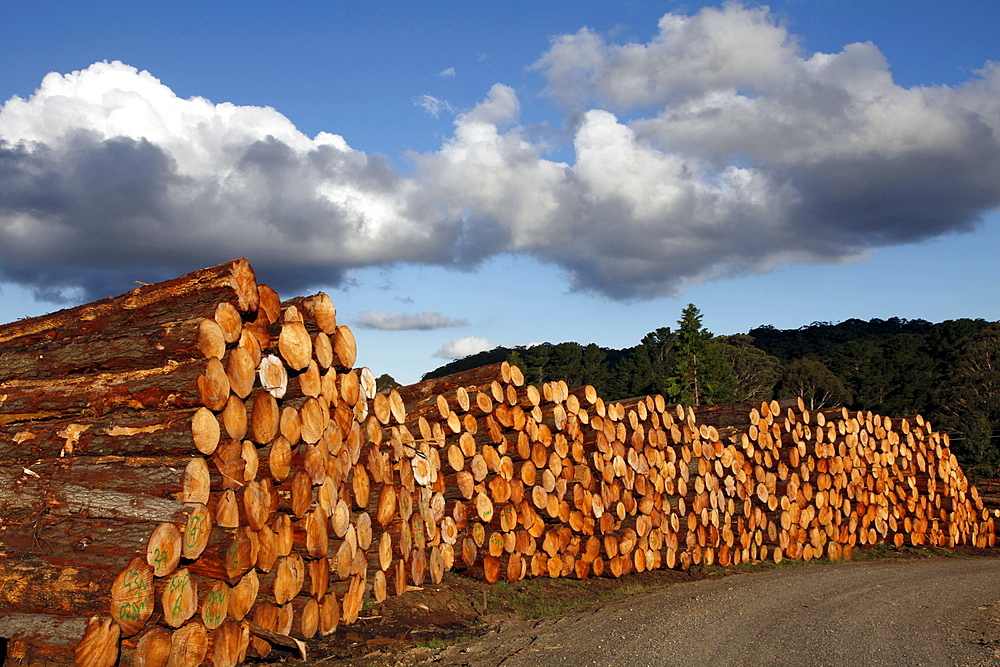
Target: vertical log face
132,597
99,646
179,600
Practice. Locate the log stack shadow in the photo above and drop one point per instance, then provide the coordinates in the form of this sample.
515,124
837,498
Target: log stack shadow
196,472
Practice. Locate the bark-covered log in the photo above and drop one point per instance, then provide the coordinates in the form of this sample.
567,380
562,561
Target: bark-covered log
41,639
161,476
141,328
23,490
172,386
61,583
735,414
472,380
34,533
123,433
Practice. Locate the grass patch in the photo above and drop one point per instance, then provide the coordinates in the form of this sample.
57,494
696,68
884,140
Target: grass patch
884,551
763,566
540,598
529,600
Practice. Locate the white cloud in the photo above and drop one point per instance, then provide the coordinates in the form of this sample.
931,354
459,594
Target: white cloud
500,107
107,167
448,72
717,147
463,347
370,319
718,48
432,105
741,153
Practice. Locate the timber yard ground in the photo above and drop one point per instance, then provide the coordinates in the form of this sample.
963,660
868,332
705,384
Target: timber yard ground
464,621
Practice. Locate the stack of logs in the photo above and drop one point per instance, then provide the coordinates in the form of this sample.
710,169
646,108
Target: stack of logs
989,491
196,472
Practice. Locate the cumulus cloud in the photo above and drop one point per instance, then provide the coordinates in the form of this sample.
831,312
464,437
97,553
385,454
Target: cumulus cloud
370,319
108,177
757,153
719,147
463,347
448,72
716,148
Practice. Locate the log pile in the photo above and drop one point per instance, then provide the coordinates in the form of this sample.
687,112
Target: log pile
176,475
553,482
989,492
197,472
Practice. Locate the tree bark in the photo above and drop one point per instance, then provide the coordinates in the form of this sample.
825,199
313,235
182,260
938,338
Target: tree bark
20,490
123,433
141,328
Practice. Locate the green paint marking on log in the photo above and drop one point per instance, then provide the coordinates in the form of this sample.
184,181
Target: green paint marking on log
134,579
194,531
132,611
213,607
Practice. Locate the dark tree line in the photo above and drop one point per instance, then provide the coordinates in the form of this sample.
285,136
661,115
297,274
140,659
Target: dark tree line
947,372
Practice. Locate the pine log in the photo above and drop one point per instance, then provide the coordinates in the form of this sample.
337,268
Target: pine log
144,327
41,639
473,380
161,476
735,414
58,583
172,386
26,533
22,490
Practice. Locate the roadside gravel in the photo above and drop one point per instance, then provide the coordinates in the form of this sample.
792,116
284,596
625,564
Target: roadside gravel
936,611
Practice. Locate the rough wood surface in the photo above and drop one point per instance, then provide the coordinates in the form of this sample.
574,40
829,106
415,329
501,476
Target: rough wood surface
471,380
21,490
41,639
171,386
142,328
167,433
58,583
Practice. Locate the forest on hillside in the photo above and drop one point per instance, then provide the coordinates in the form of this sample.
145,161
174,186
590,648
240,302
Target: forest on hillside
947,372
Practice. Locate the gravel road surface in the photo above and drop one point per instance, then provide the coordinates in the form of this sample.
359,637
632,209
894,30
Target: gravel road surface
938,611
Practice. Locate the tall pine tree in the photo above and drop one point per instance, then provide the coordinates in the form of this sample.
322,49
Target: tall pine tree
703,375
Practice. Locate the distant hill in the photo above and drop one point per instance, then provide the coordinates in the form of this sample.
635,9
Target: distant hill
822,338
496,355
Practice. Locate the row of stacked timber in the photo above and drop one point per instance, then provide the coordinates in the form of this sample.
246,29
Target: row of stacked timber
196,473
989,492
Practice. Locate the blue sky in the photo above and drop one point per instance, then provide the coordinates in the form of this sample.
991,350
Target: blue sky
458,176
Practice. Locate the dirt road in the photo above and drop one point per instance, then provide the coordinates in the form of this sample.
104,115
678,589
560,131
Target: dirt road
939,611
